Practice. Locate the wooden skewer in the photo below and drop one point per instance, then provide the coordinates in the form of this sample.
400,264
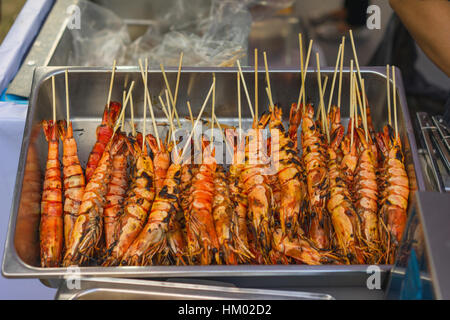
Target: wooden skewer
190,113
334,78
340,72
177,85
322,106
388,93
394,99
170,92
239,105
268,82
124,96
355,105
167,112
361,106
223,135
67,97
365,109
169,119
124,106
324,90
111,82
256,84
213,107
245,90
133,129
352,114
53,100
147,99
302,67
269,95
198,118
356,60
302,94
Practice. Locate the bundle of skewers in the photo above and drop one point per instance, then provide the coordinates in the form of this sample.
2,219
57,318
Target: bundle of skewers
336,197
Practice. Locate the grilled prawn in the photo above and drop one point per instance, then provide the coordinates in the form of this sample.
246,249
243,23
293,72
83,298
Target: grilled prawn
315,161
87,231
366,196
392,219
74,182
51,226
152,240
104,133
343,215
139,199
115,197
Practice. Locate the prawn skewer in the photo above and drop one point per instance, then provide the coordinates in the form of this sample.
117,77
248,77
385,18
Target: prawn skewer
104,133
51,226
139,199
88,227
74,182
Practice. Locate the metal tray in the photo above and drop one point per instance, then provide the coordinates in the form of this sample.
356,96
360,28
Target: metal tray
88,93
130,289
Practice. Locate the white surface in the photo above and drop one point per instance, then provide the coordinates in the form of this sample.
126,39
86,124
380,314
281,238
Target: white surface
19,38
12,120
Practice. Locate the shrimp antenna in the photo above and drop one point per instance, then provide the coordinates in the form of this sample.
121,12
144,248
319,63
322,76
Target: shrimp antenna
322,106
239,104
167,113
111,82
352,114
324,89
302,70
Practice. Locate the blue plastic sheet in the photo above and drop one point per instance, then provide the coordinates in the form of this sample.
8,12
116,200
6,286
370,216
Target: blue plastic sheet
19,38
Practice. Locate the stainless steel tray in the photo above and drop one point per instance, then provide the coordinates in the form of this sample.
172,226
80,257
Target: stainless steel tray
130,289
88,91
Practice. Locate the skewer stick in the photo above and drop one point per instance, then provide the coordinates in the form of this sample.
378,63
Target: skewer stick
269,95
133,129
356,61
198,118
365,109
170,92
190,113
147,99
355,104
352,114
245,90
340,72
394,99
177,85
324,90
239,105
53,100
124,106
268,81
256,84
213,107
67,97
302,88
388,93
111,82
322,106
167,113
302,67
223,135
361,108
334,78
